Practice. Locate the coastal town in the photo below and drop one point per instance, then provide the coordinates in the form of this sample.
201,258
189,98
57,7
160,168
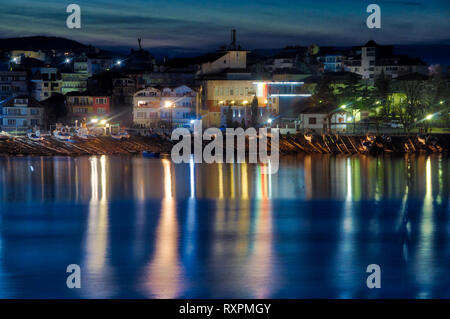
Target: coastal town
61,97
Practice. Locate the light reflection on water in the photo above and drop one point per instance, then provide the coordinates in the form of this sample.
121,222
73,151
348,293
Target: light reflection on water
148,228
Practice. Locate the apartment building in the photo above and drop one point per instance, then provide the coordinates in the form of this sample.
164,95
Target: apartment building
164,107
13,83
20,113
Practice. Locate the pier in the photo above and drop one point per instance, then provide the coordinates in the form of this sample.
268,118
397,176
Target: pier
288,144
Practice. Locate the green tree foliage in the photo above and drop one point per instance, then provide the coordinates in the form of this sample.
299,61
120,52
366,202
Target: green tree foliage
412,107
323,94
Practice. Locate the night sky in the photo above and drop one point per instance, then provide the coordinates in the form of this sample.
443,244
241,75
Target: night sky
194,24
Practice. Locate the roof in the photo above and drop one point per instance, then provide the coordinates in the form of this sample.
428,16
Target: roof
32,102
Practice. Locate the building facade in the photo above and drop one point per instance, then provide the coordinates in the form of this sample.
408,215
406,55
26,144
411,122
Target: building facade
45,83
85,105
21,113
13,83
164,107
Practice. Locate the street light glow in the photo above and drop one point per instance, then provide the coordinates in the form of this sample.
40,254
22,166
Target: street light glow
269,121
67,60
168,104
103,122
94,120
343,106
429,116
118,62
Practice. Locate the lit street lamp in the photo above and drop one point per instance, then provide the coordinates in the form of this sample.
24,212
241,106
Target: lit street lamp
169,105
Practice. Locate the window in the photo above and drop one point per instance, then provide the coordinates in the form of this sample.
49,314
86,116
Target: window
14,112
34,122
101,110
101,101
312,120
20,101
11,122
80,110
34,111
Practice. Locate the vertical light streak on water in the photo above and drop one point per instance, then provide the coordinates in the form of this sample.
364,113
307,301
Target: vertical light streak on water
43,188
441,182
259,271
219,221
244,169
140,220
220,169
97,234
232,185
424,263
244,214
77,182
191,213
164,274
346,250
378,179
192,176
270,179
403,216
232,203
308,177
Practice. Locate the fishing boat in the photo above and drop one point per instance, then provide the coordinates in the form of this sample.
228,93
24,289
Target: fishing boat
120,135
83,133
308,137
5,136
35,136
61,135
422,139
367,146
150,154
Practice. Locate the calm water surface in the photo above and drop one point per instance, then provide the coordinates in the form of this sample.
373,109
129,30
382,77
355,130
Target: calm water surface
147,228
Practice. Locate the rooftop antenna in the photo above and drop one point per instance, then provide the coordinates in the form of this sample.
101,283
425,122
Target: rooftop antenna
233,39
139,42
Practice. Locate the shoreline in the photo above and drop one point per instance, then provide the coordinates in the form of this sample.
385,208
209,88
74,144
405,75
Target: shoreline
288,144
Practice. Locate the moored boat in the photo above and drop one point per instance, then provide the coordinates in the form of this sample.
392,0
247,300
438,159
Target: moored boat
35,136
83,133
308,137
61,135
5,136
120,135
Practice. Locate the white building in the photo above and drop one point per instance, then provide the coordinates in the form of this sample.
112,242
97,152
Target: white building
164,107
375,60
320,120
